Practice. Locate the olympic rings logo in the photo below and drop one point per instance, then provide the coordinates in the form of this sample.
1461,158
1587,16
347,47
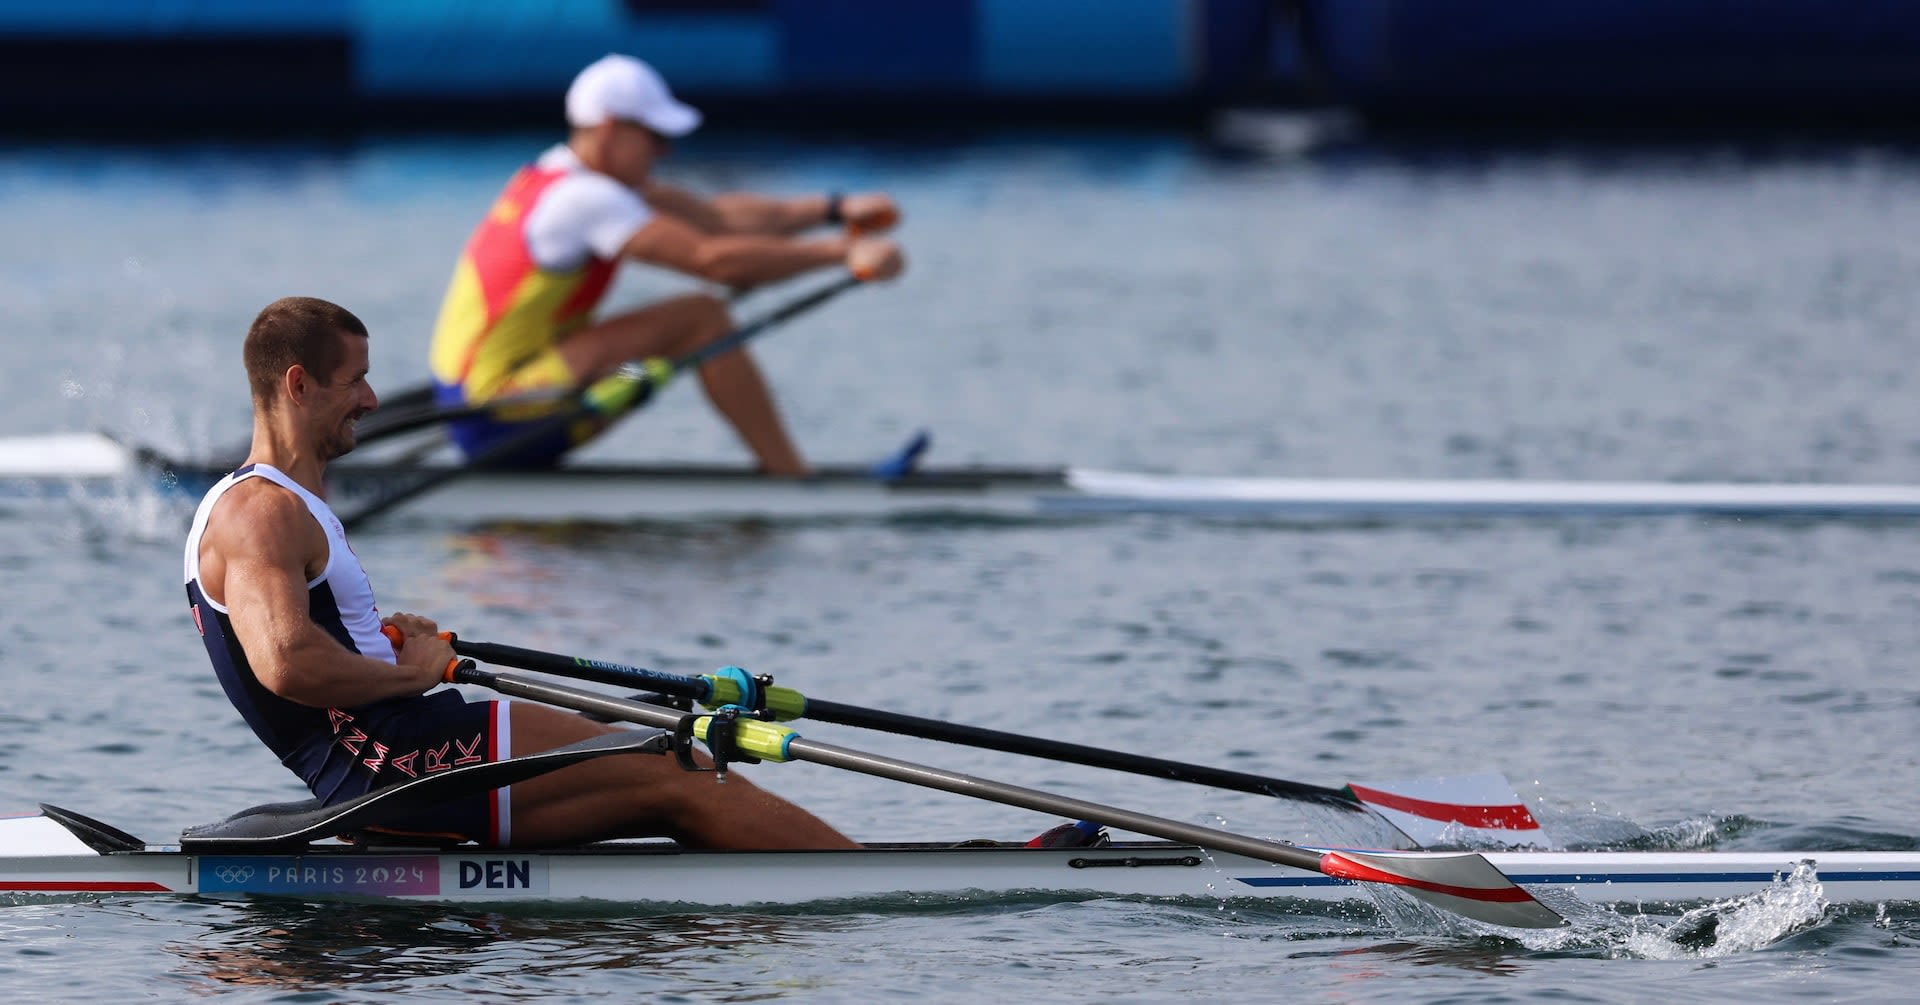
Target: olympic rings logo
234,873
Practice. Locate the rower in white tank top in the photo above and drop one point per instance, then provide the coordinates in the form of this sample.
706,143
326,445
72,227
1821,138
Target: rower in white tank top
349,613
342,752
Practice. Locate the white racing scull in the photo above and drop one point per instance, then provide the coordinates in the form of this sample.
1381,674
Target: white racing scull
290,849
63,467
53,855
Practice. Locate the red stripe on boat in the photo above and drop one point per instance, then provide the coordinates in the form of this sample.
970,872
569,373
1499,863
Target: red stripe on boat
1512,818
85,886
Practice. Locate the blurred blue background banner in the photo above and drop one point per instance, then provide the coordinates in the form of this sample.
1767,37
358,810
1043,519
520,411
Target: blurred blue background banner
1746,59
367,62
408,62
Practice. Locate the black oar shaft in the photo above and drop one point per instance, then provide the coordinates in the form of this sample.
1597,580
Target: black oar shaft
387,422
1074,753
406,399
802,749
618,709
840,714
594,670
808,302
399,412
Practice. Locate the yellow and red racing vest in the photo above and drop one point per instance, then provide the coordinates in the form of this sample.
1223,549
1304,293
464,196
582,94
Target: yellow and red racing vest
502,309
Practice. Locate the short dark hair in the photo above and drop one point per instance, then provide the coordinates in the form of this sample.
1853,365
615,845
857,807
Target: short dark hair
299,330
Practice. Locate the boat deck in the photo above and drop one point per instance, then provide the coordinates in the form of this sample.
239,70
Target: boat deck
62,467
38,856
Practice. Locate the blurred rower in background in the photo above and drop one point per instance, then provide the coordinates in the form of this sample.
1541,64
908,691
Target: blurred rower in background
518,316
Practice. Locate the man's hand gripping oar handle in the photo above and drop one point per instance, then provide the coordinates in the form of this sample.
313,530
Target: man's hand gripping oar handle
453,665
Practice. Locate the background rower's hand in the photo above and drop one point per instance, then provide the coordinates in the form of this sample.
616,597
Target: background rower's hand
869,213
874,258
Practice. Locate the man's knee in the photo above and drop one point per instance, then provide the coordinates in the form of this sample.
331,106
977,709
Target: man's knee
706,313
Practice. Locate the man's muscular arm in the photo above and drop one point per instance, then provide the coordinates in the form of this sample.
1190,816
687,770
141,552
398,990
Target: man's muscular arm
741,260
747,260
263,544
753,213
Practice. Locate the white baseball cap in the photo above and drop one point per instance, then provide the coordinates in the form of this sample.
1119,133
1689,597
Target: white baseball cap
622,87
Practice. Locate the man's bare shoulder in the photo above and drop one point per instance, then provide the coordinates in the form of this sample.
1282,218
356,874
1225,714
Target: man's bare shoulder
257,517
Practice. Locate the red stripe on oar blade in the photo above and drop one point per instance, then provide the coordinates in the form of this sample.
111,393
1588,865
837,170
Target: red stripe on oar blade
84,886
1341,867
1514,817
1465,883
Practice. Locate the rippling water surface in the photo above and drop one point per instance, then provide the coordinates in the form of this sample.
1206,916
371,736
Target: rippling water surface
1128,302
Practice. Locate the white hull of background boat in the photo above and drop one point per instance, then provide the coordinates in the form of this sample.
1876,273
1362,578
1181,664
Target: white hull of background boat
69,466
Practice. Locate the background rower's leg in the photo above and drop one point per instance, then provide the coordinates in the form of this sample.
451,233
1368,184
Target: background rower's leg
732,382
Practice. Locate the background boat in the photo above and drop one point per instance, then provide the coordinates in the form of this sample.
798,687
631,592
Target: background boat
62,469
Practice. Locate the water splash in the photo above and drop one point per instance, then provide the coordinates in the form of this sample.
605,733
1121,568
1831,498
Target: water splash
1743,925
1588,826
133,509
1793,904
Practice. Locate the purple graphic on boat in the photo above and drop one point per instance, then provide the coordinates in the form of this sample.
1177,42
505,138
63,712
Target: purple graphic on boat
379,876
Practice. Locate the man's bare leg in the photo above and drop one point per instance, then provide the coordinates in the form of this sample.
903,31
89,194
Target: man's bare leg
645,795
734,385
732,382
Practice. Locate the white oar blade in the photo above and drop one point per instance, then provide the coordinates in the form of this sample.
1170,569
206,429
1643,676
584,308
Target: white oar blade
63,455
1474,810
1464,883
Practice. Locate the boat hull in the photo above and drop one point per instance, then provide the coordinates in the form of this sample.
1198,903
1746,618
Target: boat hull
55,468
39,857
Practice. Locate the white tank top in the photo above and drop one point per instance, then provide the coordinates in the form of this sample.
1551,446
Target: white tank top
342,598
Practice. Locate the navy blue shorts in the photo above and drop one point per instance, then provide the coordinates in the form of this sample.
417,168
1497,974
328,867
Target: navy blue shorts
480,434
397,741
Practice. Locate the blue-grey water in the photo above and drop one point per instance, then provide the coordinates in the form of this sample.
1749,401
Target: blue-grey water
1686,312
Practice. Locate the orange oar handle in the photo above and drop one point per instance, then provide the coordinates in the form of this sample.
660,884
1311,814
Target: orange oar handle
393,635
880,224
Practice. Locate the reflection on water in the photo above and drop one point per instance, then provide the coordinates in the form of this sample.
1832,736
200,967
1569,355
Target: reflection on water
639,586
1492,957
957,949
314,946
